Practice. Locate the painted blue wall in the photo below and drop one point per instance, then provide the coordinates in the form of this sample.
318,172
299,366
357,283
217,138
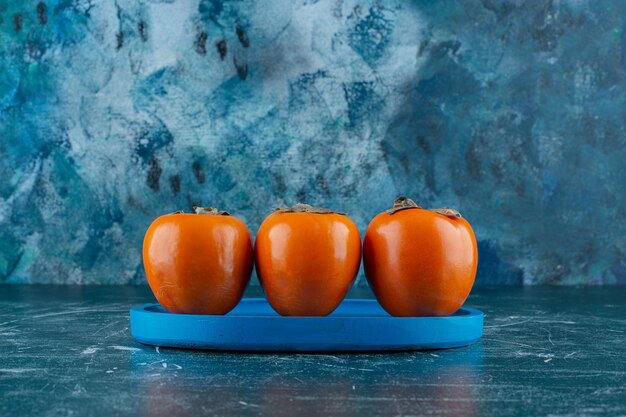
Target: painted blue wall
513,112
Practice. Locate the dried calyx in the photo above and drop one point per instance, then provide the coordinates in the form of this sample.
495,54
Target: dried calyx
403,203
305,208
211,211
448,212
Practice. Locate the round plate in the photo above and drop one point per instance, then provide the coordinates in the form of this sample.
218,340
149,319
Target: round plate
356,325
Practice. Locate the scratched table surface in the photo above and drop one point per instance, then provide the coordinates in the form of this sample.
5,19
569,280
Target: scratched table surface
545,351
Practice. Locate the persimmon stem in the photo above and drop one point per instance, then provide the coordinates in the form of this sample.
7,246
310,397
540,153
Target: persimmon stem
305,208
211,211
403,203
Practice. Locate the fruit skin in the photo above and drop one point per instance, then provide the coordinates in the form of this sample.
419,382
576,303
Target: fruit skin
307,262
196,263
420,263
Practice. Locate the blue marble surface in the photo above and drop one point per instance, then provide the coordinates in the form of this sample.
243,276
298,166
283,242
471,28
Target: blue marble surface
114,112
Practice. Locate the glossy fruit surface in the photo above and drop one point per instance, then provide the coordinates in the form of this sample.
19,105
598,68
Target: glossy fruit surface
198,263
307,261
420,262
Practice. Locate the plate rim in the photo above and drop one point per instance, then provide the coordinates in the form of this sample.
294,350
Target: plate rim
143,309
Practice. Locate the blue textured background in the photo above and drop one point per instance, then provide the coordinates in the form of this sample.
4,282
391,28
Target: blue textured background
513,112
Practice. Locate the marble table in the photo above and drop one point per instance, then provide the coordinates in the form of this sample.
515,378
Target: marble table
545,351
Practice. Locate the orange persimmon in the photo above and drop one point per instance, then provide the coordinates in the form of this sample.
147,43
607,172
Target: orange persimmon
420,262
198,263
307,259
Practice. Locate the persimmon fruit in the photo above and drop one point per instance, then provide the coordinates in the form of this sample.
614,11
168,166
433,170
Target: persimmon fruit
198,263
307,259
420,262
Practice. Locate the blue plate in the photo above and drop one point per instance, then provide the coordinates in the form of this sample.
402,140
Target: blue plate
356,325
